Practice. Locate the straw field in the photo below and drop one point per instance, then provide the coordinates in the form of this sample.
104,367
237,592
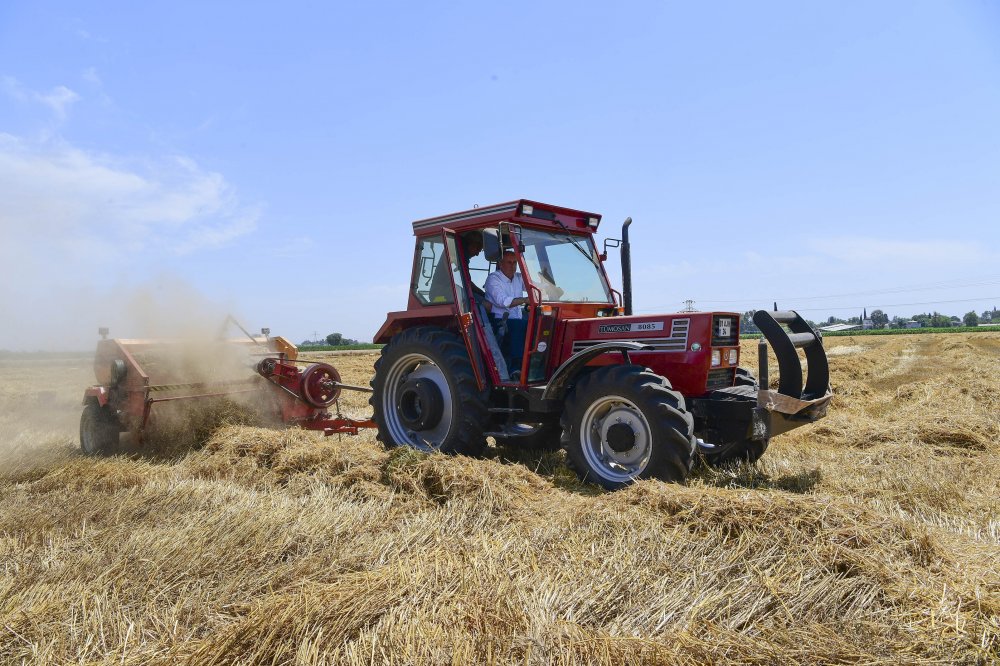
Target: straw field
870,537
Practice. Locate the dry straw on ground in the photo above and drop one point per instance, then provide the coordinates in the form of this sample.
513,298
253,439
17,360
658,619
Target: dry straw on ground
870,537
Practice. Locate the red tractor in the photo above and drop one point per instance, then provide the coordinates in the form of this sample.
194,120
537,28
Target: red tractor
628,396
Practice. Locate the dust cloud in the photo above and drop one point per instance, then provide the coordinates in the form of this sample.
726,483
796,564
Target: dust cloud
42,384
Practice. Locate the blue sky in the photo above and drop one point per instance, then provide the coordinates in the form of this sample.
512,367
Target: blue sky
163,164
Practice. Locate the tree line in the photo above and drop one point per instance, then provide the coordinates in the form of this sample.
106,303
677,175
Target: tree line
332,340
880,319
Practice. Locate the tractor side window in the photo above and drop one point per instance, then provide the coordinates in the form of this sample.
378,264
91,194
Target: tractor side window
485,262
480,269
431,276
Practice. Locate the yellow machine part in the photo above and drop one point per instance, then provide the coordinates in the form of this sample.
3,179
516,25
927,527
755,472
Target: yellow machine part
281,345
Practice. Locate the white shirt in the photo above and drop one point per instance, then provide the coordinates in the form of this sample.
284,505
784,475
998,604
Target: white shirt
500,291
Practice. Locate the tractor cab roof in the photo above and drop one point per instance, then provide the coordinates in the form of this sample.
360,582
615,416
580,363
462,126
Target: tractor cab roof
520,211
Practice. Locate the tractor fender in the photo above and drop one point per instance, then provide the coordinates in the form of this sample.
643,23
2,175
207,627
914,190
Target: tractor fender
571,367
98,394
442,316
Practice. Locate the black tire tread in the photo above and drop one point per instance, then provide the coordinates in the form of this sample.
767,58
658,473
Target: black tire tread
666,414
469,403
105,429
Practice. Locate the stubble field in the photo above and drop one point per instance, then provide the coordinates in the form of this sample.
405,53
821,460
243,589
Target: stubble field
871,536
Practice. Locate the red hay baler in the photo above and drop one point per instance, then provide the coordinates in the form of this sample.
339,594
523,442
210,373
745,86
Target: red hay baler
135,376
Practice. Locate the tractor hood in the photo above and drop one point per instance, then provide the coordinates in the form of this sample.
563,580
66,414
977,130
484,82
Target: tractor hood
663,333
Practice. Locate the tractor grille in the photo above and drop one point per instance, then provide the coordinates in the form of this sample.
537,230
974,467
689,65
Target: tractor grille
677,342
725,331
720,378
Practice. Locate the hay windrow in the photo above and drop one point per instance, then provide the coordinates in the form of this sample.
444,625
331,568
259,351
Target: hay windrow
869,537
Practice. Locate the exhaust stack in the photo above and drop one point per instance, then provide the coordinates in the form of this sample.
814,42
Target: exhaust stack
626,268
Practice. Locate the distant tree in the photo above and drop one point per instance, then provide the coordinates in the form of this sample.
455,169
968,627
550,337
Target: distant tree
336,340
879,318
923,319
939,320
971,319
746,323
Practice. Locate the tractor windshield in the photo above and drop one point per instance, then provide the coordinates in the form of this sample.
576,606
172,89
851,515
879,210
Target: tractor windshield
565,268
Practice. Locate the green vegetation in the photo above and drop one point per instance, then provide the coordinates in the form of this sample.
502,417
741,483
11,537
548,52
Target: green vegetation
350,347
899,331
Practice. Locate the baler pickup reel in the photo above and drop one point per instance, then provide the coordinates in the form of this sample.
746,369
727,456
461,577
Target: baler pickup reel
792,405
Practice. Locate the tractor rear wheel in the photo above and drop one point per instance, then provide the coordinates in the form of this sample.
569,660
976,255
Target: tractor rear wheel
98,430
425,394
624,423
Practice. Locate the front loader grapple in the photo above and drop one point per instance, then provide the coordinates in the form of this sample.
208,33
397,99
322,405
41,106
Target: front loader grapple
791,405
738,422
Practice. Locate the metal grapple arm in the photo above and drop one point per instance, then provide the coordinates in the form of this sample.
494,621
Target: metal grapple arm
791,405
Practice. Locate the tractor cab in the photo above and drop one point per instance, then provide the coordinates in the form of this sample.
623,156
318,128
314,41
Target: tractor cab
556,260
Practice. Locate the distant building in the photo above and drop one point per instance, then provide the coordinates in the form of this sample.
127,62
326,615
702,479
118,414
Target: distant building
833,328
911,324
867,324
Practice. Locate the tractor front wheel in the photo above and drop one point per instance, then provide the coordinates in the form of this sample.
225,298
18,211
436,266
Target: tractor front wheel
624,423
425,394
98,430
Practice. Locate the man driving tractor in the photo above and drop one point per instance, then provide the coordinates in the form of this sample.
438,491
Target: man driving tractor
504,289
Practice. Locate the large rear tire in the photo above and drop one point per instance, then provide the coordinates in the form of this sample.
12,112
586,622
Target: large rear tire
623,423
98,430
425,394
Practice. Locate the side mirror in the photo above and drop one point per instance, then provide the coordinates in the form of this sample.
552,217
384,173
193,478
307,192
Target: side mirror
610,242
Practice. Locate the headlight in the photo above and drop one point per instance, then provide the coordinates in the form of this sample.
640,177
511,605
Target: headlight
732,357
716,357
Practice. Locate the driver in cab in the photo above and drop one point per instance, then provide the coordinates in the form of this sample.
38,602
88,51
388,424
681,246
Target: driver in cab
504,289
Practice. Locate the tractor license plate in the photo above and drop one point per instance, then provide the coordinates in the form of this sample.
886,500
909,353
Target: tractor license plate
724,326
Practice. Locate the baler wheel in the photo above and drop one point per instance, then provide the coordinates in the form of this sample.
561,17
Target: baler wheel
425,394
98,430
318,384
623,423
